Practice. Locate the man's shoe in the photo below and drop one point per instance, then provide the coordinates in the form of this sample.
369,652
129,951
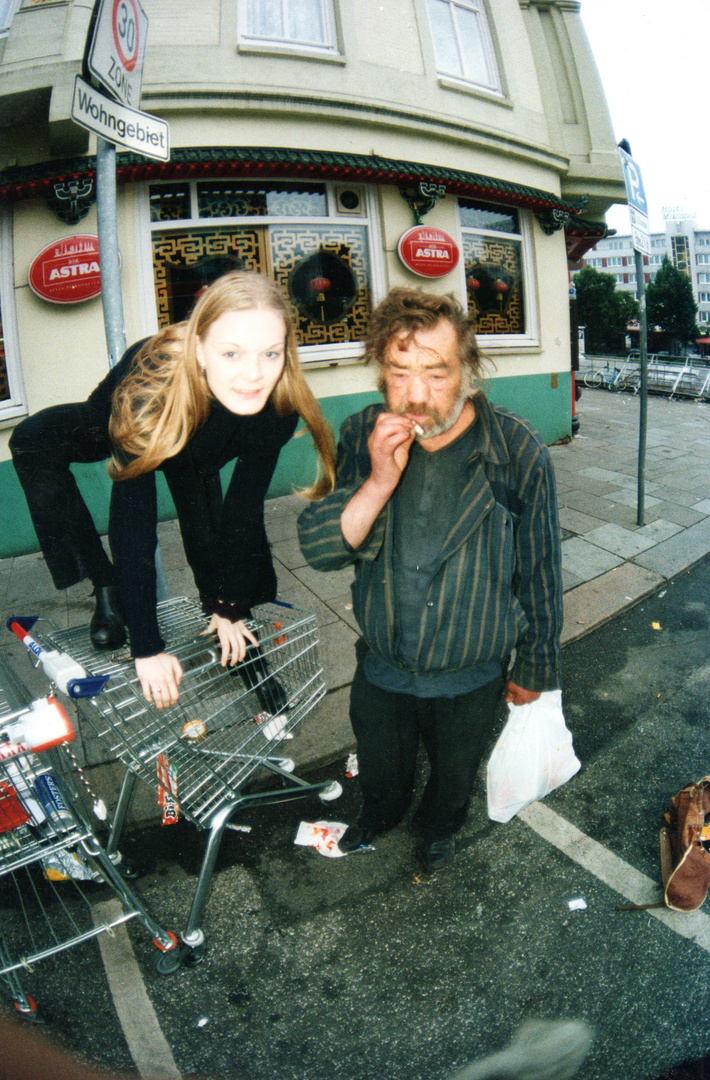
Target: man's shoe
355,837
106,629
437,854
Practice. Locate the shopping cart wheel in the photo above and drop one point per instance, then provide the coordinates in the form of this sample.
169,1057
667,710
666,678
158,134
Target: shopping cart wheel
128,870
184,956
31,1013
195,955
333,791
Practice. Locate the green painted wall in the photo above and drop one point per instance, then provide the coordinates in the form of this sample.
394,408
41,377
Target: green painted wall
532,396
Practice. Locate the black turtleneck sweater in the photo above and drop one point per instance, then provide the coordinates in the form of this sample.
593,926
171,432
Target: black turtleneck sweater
223,534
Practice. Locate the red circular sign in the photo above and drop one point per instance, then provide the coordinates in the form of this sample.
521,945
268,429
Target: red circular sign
124,20
428,252
67,271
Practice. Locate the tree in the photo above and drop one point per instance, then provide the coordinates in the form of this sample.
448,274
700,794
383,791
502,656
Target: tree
671,305
603,310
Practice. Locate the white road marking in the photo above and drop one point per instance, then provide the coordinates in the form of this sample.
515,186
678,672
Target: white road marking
146,1042
614,872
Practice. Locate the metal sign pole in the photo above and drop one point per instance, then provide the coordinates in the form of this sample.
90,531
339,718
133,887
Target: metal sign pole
643,413
638,210
111,295
109,261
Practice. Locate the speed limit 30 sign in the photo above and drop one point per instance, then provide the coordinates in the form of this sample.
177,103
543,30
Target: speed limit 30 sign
115,56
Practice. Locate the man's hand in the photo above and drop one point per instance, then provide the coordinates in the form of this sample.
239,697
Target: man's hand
389,445
234,639
518,696
160,677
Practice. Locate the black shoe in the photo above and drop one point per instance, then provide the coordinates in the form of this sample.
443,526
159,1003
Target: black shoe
438,853
356,836
106,629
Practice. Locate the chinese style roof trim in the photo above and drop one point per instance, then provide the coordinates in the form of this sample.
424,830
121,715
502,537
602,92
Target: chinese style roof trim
36,181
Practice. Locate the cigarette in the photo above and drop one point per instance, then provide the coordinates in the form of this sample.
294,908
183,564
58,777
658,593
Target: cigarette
419,429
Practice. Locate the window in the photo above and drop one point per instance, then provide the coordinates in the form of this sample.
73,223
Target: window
313,239
462,42
704,260
704,279
12,391
615,260
680,253
704,298
286,25
8,9
496,258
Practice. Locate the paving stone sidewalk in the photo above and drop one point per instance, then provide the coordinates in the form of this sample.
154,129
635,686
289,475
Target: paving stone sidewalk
609,561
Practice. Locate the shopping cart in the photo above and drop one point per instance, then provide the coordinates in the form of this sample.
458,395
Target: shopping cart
48,848
226,726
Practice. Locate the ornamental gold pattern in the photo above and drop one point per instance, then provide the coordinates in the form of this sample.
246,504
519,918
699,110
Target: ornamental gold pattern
495,253
291,245
177,250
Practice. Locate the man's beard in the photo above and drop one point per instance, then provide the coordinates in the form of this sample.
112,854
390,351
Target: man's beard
441,423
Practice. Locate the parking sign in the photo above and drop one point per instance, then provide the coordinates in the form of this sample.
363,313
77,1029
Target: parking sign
638,206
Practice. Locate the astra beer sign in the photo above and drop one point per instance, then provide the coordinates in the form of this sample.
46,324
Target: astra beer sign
67,270
428,252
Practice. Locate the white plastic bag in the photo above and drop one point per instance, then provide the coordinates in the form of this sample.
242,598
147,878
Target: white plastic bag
533,756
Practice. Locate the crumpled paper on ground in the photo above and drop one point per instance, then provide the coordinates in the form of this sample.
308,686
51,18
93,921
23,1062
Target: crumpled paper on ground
323,836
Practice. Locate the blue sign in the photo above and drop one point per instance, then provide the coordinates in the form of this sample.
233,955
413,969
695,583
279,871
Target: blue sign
638,207
634,183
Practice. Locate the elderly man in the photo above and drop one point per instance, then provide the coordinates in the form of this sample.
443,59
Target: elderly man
446,506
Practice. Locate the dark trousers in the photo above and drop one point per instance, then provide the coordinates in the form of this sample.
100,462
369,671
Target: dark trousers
455,733
43,447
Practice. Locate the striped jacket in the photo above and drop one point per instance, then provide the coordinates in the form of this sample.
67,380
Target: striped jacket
497,587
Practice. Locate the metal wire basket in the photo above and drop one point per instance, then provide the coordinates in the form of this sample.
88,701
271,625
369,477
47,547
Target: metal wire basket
226,726
50,857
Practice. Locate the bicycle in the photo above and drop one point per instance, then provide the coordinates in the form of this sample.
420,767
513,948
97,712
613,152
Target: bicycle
608,380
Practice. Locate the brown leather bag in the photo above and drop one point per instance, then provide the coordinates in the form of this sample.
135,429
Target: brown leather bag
684,860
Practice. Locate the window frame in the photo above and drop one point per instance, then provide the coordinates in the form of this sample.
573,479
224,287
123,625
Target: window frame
495,87
311,356
531,337
8,10
16,406
332,50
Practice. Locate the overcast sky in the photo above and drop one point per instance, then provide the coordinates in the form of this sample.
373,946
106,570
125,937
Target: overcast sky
652,59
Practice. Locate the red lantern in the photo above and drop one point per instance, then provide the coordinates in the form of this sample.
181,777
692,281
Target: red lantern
320,285
500,287
473,283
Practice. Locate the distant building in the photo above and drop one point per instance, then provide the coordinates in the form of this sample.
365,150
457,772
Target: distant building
687,247
306,139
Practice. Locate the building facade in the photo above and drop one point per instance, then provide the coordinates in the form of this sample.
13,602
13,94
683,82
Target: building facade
307,136
687,247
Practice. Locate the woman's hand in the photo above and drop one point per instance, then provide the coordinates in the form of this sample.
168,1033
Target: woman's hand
234,639
160,677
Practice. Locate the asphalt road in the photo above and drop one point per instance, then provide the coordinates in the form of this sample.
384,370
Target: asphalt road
363,967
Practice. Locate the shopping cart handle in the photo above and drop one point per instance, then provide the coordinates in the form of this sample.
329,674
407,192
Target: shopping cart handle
25,621
88,687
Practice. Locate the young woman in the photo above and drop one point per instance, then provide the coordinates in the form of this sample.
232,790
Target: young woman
225,385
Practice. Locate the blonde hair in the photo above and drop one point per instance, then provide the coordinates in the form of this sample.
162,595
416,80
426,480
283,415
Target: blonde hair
158,407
